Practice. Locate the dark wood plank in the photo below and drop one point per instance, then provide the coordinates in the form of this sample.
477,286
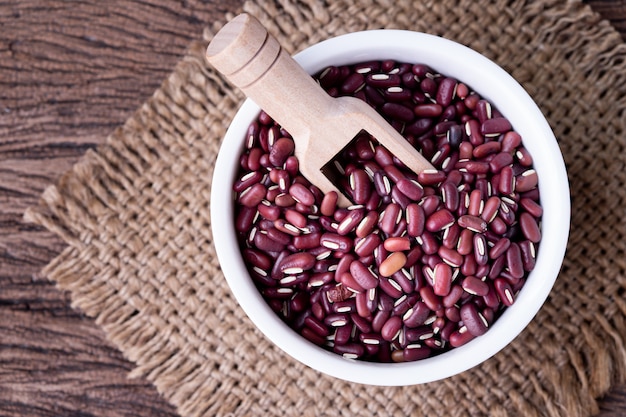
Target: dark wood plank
70,72
53,366
612,10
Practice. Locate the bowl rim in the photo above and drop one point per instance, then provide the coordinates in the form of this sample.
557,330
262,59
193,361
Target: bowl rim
414,47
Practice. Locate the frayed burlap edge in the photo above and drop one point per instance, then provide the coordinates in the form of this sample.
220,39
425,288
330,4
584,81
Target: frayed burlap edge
140,257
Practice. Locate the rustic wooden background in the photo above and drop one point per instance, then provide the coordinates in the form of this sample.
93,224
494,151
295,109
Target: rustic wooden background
70,72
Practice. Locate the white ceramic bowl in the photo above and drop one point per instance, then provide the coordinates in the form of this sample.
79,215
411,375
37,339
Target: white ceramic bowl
492,83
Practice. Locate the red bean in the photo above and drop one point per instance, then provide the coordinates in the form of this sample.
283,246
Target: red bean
382,156
363,275
430,204
453,296
490,209
475,323
297,263
247,181
268,211
419,127
451,236
302,194
349,350
395,244
450,256
430,298
499,248
507,180
428,110
367,245
491,300
391,328
480,249
446,91
265,243
285,200
439,220
526,181
510,141
500,161
475,204
415,219
353,83
383,80
253,195
472,130
429,242
382,183
392,264
404,279
524,157
530,227
390,218
257,258
532,207
366,302
495,126
321,278
390,287
450,196
465,243
485,149
245,219
475,286
367,224
415,353
410,188
342,337
280,151
360,185
473,223
329,203
349,223
349,282
474,167
397,111
295,218
431,177
528,255
429,87
459,338
364,147
316,326
292,166
368,338
504,291
336,242
308,241
394,172
443,279
514,261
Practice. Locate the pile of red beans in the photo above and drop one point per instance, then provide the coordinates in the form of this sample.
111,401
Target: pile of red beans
420,263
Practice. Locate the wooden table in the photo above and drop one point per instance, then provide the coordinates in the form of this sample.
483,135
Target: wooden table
70,72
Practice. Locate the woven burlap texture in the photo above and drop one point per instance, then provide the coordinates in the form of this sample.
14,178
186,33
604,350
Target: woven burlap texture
140,257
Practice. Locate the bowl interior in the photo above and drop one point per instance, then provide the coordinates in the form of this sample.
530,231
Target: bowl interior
492,83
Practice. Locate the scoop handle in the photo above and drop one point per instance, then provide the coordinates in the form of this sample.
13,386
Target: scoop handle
253,60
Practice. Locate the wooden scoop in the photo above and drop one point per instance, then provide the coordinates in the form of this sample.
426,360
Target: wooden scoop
321,126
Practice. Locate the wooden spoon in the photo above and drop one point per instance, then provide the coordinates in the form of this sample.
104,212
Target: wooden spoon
321,126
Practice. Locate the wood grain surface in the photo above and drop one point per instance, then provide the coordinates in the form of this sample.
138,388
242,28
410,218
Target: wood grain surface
70,72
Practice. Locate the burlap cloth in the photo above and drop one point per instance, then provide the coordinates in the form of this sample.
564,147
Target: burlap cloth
140,258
